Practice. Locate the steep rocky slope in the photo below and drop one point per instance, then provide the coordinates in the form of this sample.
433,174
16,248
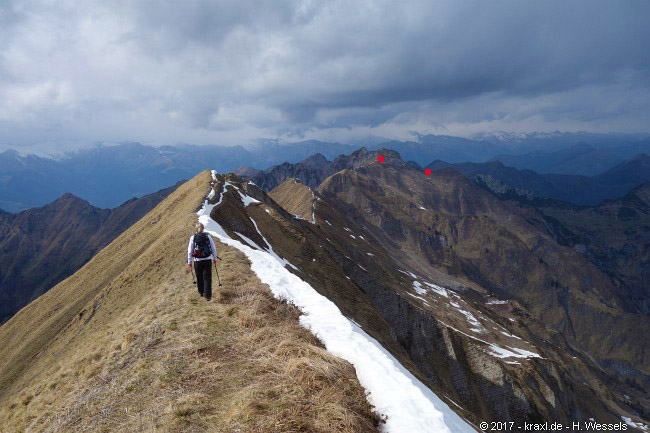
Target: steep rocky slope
126,344
614,236
505,247
41,246
456,227
486,357
453,233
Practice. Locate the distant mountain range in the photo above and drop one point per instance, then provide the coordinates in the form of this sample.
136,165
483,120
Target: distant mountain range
41,246
581,159
583,190
108,175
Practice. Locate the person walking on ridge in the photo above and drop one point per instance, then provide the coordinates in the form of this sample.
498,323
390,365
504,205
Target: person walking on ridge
202,252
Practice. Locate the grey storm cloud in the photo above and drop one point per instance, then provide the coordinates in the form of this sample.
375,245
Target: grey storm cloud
232,72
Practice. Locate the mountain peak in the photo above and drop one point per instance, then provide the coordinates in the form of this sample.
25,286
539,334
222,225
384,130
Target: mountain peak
68,196
364,156
69,199
317,160
246,171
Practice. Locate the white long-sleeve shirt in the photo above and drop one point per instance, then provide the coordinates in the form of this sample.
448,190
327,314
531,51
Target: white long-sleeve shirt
190,247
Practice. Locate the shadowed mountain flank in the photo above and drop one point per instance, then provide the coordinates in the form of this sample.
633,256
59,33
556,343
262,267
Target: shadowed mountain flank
615,237
41,246
532,187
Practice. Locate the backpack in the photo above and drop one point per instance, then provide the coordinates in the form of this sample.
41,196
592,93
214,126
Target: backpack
201,246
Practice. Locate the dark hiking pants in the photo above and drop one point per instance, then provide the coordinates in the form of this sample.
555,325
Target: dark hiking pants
203,269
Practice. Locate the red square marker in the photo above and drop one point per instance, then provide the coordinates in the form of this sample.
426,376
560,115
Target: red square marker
380,158
427,172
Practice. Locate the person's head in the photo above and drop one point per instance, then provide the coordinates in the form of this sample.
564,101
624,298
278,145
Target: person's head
199,227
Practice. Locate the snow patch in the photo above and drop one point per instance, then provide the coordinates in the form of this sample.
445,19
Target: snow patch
637,425
507,334
477,327
270,248
247,199
511,352
248,241
495,302
498,351
439,290
418,288
424,301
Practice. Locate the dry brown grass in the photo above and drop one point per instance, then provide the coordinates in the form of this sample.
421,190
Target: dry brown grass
145,353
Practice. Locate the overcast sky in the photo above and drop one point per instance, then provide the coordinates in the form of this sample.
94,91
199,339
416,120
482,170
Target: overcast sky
230,72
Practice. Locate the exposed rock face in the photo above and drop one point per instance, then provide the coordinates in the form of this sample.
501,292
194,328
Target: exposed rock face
417,261
40,247
614,236
513,249
448,223
500,188
313,170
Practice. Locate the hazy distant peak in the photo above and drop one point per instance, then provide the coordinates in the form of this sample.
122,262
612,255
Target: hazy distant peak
246,171
317,160
69,198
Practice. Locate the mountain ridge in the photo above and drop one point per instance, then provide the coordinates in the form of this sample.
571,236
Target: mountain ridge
42,246
134,169
581,190
126,344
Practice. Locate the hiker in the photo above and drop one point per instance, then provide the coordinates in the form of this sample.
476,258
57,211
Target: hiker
202,251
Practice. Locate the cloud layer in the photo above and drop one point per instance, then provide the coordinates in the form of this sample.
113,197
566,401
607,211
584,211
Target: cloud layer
231,72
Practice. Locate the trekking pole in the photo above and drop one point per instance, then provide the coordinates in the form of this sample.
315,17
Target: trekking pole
192,270
215,268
